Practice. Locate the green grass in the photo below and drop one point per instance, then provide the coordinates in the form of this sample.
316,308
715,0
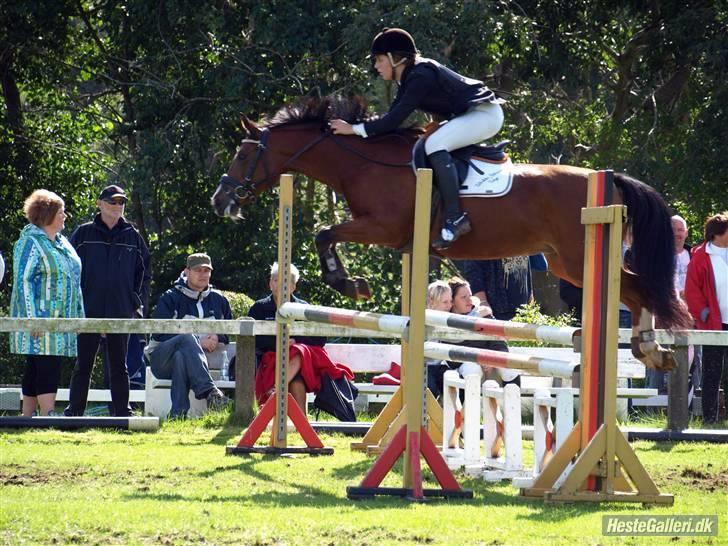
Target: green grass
177,486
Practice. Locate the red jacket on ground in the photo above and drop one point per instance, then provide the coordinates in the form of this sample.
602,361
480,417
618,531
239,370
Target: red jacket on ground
315,362
700,290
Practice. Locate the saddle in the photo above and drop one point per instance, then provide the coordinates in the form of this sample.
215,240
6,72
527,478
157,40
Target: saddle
483,171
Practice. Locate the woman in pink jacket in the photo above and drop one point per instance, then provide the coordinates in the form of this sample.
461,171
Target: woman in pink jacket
706,293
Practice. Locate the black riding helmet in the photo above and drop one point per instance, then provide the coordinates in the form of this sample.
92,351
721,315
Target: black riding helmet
395,41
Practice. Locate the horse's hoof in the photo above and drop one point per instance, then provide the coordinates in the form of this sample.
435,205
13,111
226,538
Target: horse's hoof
348,289
661,359
362,289
667,360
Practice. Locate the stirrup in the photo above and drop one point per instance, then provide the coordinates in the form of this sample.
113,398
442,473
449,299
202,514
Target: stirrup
452,230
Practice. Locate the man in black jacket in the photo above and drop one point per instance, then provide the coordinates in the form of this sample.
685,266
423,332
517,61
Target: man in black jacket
115,280
183,357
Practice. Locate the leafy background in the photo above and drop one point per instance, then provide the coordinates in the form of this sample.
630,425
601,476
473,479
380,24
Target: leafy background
148,95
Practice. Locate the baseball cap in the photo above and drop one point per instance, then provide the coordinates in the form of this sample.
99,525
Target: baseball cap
112,192
199,259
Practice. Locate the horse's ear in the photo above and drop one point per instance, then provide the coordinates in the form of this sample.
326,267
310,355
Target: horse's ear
249,127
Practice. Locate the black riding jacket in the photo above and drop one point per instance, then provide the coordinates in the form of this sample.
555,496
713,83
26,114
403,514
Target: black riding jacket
115,273
429,86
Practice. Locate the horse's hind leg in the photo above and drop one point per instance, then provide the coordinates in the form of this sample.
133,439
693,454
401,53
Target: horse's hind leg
333,271
643,342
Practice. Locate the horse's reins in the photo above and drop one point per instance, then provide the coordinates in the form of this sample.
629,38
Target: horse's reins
356,152
246,188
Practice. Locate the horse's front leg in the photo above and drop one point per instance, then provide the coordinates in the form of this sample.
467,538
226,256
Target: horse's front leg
333,271
363,230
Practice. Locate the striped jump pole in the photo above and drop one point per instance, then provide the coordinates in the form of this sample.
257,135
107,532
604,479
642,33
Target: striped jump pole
499,359
143,424
364,320
560,335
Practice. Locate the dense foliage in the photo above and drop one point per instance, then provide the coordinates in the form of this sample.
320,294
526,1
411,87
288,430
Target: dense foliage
148,95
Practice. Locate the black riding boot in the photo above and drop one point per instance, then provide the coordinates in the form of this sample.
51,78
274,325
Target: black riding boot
446,177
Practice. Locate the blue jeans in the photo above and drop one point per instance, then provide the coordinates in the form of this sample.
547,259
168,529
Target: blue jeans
182,359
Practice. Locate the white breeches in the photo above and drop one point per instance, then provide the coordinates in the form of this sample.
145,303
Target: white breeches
477,124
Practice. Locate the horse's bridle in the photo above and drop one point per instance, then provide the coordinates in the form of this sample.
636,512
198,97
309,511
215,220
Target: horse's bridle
246,189
238,190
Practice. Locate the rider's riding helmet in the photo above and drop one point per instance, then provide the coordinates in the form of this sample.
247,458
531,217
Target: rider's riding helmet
395,41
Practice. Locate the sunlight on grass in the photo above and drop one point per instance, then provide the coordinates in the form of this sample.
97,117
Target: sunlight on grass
177,486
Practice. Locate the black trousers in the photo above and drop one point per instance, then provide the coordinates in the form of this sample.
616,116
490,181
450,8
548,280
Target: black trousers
42,374
715,360
88,347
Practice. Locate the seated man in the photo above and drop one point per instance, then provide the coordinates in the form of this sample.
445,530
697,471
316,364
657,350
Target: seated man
307,358
182,357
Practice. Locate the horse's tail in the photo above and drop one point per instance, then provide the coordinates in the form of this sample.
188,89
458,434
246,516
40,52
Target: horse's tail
652,249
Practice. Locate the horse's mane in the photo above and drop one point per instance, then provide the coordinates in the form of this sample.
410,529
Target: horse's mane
321,110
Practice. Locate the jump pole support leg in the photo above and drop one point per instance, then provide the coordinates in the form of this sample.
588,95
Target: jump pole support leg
601,452
412,439
281,404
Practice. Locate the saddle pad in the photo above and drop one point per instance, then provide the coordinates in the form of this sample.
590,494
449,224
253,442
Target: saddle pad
495,181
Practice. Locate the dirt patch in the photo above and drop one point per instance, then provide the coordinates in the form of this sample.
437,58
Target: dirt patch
15,474
708,479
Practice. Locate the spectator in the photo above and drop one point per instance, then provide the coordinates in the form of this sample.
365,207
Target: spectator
115,280
682,253
571,295
46,284
503,284
307,359
439,298
706,294
182,357
464,303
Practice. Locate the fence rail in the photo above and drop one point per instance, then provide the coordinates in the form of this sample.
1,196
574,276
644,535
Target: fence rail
249,327
243,332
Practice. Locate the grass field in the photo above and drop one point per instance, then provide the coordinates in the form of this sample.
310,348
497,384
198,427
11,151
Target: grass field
177,486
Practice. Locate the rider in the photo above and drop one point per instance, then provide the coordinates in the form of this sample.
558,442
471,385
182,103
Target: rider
474,113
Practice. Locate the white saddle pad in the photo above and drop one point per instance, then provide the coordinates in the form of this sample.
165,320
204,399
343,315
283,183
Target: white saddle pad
496,179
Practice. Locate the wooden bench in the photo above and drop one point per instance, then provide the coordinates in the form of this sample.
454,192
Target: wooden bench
13,396
376,358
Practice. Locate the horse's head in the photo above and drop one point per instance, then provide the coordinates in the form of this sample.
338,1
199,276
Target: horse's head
248,174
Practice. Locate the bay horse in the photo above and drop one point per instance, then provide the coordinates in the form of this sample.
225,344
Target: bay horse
540,214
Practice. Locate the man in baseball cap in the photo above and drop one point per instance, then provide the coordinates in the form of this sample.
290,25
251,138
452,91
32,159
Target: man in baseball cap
186,359
112,193
115,277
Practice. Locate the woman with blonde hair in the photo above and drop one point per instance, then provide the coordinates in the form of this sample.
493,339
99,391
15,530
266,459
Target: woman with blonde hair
46,284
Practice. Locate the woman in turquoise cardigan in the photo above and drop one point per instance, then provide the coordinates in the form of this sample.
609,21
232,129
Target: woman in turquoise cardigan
46,284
